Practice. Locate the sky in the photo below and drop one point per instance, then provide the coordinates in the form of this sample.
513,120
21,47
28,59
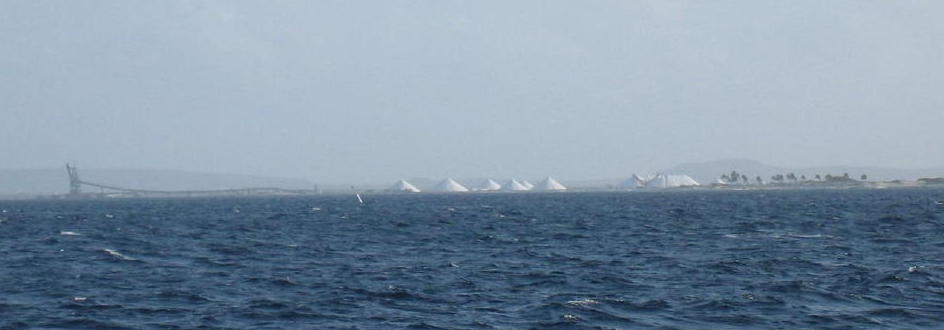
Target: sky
368,91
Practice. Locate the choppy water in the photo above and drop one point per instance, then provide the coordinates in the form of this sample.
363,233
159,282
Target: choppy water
781,259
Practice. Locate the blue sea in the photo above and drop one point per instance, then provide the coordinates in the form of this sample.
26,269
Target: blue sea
677,259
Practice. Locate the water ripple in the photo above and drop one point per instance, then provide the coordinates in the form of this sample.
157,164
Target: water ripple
778,259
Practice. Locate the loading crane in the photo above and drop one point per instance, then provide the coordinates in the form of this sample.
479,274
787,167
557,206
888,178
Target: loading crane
76,184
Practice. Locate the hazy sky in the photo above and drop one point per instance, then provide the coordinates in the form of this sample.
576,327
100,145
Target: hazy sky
360,91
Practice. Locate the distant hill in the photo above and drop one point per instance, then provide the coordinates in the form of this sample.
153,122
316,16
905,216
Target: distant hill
52,181
707,172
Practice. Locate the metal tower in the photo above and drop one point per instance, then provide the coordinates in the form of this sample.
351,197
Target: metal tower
75,185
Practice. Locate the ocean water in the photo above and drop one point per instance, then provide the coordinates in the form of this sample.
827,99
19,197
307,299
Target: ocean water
688,259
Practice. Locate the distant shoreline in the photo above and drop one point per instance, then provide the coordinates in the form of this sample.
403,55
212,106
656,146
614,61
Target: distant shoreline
369,192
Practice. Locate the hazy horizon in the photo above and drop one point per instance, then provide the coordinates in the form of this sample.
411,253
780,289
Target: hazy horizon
351,91
714,168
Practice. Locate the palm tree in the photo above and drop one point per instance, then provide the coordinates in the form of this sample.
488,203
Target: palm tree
791,177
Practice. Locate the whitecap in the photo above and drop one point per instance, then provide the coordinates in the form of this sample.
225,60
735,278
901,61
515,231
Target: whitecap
583,302
118,255
806,235
69,233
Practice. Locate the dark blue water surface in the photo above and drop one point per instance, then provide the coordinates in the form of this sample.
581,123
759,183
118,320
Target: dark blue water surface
709,259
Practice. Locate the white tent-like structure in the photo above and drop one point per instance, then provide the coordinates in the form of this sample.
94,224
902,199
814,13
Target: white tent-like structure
450,185
635,181
671,181
526,184
489,185
515,185
549,184
403,186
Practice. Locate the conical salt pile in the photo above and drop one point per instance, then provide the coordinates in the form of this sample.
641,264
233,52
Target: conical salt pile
450,185
403,186
527,184
549,184
490,185
514,185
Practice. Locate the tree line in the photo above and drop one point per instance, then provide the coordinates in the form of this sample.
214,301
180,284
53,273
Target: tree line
735,177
